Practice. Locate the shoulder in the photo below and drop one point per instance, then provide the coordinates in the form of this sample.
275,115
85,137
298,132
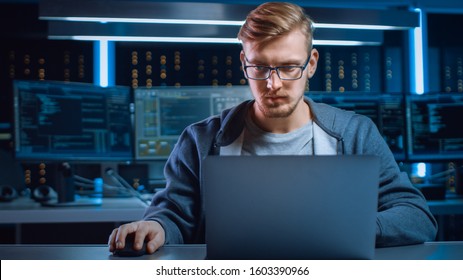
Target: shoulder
221,129
337,119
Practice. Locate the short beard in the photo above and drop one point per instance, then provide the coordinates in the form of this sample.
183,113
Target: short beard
275,112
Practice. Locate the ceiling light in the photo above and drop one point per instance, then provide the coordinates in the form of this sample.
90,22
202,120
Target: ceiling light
124,11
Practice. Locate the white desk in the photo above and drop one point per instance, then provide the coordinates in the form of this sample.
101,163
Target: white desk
25,210
426,251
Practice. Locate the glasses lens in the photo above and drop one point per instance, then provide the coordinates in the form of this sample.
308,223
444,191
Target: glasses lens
284,72
290,72
257,72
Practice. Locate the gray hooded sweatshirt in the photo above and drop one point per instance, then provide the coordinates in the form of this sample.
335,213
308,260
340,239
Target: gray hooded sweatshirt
403,216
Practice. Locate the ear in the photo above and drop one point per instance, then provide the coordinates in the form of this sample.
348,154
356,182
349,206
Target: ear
312,67
242,59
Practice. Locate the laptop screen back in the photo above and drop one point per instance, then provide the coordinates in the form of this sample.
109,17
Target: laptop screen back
290,207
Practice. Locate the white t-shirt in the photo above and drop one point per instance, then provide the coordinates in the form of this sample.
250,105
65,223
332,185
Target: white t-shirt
259,142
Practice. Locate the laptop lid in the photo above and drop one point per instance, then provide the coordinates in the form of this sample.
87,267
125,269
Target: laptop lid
290,207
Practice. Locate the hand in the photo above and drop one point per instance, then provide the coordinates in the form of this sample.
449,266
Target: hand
151,231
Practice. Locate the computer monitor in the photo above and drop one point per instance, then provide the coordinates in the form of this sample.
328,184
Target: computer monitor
67,121
161,114
387,110
435,126
61,123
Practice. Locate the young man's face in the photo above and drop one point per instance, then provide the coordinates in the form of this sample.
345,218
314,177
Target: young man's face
277,98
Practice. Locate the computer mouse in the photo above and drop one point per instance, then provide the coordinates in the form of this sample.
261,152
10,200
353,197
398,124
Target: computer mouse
128,250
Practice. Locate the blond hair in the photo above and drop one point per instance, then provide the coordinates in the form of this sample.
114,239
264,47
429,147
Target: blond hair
274,19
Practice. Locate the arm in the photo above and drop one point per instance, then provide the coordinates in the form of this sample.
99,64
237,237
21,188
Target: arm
403,214
178,207
172,213
175,214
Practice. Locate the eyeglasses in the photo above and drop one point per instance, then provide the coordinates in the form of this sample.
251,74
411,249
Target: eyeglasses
287,73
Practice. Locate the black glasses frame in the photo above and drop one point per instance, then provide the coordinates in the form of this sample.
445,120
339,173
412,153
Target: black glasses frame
276,69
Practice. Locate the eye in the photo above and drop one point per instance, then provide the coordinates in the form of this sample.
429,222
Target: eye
260,68
289,69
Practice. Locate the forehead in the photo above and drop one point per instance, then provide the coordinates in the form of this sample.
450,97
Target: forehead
289,47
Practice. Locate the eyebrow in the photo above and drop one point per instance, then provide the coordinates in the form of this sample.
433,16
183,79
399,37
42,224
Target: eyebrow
286,63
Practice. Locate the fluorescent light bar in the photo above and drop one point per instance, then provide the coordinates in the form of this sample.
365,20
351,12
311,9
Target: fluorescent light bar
199,40
417,75
148,39
191,13
216,22
103,46
357,26
344,43
148,20
418,53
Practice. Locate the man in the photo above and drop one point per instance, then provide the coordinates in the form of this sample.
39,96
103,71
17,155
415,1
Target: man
278,59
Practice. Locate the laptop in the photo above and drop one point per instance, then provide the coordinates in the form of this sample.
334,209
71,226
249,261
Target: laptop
290,207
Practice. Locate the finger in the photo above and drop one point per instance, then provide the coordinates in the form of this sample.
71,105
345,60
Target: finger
142,232
154,244
111,240
122,233
157,237
139,239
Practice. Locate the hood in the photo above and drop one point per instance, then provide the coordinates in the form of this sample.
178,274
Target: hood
332,120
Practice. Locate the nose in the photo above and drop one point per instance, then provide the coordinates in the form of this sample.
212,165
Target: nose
274,82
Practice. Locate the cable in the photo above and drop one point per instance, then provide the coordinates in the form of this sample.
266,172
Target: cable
119,180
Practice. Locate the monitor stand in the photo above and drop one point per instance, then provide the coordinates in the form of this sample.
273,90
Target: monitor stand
65,189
